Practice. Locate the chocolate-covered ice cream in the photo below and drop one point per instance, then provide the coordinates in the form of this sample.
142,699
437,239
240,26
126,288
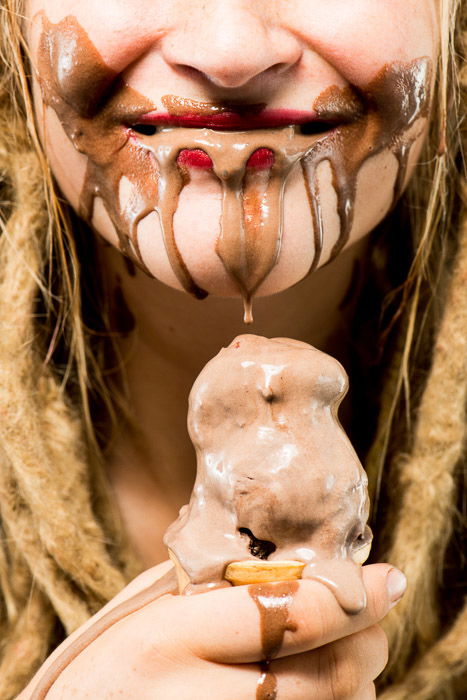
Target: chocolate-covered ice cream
277,478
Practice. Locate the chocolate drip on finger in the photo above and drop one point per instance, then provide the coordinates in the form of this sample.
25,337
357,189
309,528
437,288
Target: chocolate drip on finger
273,602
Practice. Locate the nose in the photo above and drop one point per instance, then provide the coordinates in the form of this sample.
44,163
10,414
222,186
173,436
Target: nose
230,43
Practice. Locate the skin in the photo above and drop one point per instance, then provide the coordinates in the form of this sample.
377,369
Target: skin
285,54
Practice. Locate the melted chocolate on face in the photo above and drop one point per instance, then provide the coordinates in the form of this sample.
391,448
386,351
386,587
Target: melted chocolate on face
181,106
96,110
273,601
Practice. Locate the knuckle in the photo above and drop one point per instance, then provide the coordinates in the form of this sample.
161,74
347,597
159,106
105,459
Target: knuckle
340,675
370,650
380,644
368,693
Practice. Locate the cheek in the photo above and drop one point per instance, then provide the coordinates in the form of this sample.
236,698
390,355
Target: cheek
68,166
357,37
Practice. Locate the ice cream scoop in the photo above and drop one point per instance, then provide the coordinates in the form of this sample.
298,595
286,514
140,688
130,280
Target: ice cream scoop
280,492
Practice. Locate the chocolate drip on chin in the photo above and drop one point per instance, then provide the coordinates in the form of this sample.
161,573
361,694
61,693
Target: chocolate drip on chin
171,182
248,246
93,106
252,201
314,202
96,110
395,100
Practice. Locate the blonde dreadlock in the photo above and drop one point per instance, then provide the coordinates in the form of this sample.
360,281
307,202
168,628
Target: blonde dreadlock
54,558
62,552
424,483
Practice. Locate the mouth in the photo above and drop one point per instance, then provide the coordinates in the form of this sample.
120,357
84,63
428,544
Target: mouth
188,114
229,120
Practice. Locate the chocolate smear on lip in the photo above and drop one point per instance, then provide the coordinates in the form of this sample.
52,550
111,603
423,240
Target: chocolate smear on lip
180,106
273,601
96,109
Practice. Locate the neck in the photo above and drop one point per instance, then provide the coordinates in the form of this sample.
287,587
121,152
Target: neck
175,335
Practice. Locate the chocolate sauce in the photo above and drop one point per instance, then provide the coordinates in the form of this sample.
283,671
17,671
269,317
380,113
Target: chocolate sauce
97,111
394,101
273,462
273,601
180,106
343,578
94,106
266,688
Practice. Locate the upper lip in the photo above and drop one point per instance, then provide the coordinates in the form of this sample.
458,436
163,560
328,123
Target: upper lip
239,119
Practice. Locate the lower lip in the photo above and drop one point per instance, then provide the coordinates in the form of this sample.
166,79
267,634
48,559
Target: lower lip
261,159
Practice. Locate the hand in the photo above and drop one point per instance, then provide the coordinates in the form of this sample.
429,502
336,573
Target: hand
209,645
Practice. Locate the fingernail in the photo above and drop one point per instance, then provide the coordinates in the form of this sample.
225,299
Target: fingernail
396,584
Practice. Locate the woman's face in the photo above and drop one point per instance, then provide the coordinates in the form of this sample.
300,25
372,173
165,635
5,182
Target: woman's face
226,146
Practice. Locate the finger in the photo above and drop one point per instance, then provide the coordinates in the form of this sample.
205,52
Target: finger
366,694
224,625
84,635
342,669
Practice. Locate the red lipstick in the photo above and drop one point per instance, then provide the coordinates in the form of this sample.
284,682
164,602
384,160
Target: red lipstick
261,159
194,158
230,120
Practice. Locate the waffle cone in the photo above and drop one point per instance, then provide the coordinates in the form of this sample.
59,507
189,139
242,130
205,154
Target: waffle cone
241,573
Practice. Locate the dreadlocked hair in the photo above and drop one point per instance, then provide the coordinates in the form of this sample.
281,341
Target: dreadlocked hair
63,552
424,399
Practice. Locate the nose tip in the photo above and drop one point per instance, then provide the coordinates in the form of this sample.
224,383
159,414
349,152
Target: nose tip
235,74
232,48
